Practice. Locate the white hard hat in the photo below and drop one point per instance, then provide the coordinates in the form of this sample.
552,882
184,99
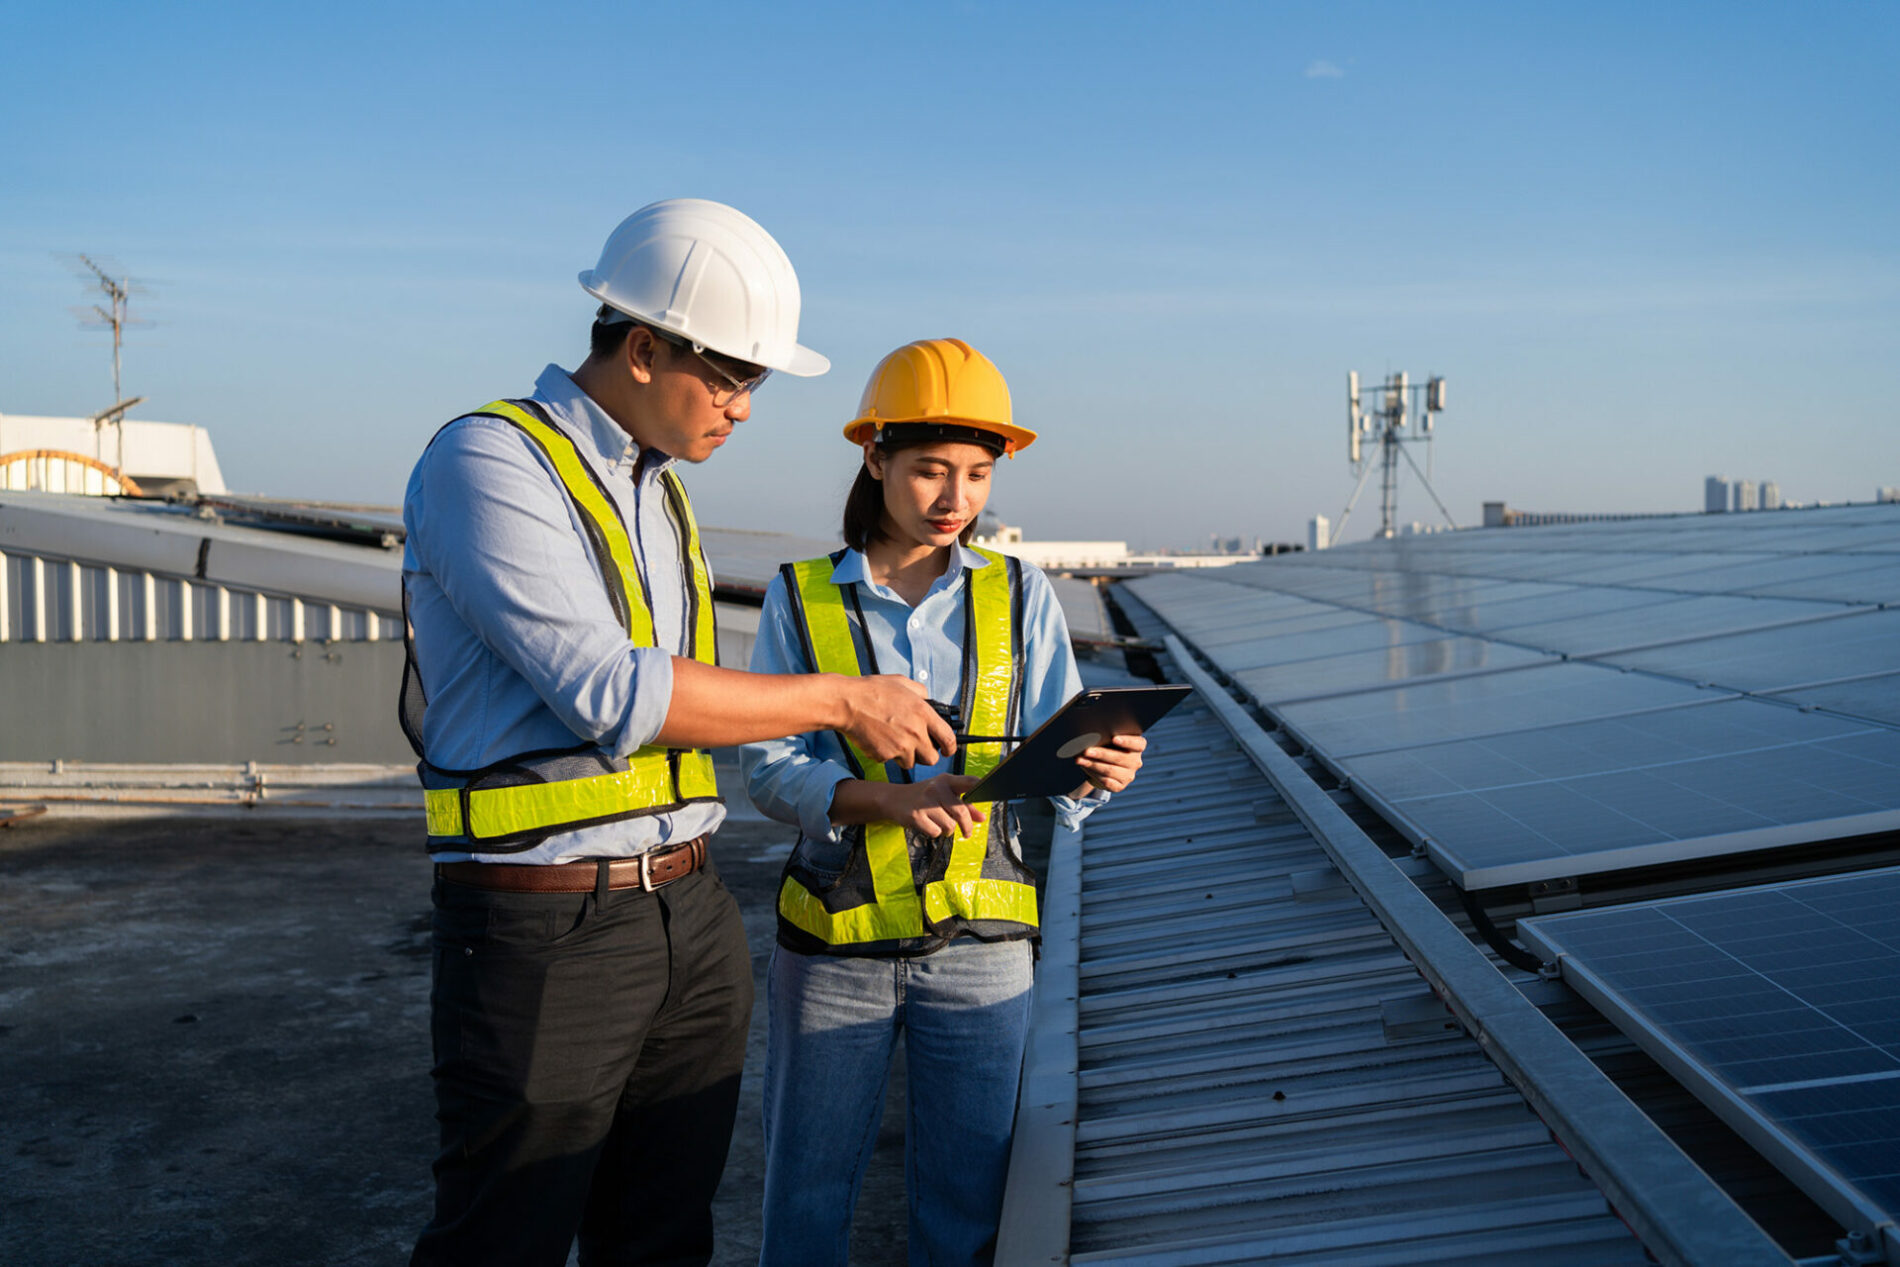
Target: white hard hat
705,271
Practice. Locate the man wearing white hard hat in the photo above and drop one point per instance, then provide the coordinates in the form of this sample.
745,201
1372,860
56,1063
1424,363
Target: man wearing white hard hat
592,983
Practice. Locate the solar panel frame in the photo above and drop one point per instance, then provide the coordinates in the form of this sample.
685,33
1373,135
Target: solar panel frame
1533,697
1355,671
1854,643
1658,568
1614,793
1875,698
1681,619
1878,582
1811,992
1579,603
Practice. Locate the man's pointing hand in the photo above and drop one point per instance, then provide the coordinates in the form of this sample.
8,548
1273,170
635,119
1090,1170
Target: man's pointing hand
891,719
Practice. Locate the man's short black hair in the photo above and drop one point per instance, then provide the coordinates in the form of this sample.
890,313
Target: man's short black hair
608,336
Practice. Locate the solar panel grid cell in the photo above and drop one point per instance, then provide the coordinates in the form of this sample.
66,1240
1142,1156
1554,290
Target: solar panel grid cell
1655,570
1360,670
1878,583
1437,712
1854,644
1686,617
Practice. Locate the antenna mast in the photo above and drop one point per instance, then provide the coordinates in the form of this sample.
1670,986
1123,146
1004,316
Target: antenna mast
1400,401
118,294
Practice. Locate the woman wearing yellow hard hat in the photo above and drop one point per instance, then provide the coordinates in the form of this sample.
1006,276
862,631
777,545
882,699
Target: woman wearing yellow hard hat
903,910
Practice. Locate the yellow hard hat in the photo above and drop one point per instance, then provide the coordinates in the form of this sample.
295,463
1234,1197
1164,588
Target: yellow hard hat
938,382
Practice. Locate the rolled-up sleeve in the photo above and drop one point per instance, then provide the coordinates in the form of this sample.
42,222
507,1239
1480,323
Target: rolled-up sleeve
496,533
789,779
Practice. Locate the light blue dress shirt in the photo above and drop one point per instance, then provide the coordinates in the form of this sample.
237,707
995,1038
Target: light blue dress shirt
792,780
515,638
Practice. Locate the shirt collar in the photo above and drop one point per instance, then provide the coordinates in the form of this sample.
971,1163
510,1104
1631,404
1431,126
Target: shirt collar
588,421
854,567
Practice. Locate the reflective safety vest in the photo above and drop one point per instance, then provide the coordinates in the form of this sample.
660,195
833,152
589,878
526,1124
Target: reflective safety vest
901,892
517,803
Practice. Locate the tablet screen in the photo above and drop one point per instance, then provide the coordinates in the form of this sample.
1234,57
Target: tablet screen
1044,763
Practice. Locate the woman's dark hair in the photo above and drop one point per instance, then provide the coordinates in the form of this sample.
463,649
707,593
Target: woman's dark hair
864,504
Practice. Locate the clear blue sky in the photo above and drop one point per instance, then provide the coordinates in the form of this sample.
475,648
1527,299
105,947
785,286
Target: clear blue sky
1645,243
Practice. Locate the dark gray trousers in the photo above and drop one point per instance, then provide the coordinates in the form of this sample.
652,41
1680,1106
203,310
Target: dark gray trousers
587,1060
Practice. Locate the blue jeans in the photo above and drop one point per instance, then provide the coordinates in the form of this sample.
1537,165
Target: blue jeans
835,1020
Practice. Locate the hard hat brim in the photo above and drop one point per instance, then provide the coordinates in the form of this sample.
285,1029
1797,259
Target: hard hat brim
800,362
1015,438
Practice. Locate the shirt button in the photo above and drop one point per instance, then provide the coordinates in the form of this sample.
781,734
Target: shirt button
923,675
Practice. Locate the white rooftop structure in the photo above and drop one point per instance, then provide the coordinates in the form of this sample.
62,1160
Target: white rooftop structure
38,454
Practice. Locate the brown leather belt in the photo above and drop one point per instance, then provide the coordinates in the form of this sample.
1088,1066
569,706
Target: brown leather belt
648,871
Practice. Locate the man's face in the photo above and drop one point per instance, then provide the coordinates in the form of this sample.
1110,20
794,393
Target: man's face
694,406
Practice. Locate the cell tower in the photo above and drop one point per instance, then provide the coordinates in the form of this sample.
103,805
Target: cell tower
1385,426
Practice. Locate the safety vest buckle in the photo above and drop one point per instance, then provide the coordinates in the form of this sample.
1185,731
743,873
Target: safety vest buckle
468,815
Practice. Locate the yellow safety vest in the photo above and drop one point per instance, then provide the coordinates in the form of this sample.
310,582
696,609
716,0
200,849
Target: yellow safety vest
515,804
902,893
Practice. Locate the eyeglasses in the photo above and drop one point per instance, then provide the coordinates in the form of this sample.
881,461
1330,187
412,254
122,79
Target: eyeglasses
742,378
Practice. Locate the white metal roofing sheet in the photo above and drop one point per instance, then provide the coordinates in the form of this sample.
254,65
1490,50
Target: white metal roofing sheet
1262,1073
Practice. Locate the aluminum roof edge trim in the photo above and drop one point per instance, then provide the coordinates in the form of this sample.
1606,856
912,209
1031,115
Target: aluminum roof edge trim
1810,1173
1040,1188
1660,851
1675,1209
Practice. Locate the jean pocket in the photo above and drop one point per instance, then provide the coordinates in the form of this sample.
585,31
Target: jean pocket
820,864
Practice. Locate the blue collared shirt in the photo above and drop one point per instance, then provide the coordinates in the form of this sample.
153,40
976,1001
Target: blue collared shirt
792,780
516,640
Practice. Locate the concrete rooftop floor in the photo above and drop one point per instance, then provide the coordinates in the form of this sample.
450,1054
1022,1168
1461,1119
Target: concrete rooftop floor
214,1045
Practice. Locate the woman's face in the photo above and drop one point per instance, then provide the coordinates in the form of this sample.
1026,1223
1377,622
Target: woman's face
932,491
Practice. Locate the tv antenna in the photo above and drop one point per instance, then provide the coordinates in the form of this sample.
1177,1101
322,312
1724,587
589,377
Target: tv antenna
1400,401
112,314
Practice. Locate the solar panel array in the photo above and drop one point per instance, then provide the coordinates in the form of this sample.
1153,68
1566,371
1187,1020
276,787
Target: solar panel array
1534,703
1778,1006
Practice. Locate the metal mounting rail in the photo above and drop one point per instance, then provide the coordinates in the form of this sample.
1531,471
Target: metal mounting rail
1677,1211
1037,1203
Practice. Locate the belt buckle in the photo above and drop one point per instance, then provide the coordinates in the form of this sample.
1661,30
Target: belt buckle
646,872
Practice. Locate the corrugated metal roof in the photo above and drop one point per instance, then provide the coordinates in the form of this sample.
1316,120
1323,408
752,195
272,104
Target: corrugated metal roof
1260,1069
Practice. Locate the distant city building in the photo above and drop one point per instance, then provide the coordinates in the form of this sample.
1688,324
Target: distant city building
1888,494
1715,494
1064,554
77,455
992,532
1319,532
1500,515
1059,556
1745,495
1770,495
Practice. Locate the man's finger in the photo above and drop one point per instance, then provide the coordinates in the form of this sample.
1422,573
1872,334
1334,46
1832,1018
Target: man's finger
941,734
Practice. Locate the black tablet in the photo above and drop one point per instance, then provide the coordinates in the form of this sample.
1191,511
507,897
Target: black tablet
1044,763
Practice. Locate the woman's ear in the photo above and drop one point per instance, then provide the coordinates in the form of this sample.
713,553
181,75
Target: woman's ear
874,459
